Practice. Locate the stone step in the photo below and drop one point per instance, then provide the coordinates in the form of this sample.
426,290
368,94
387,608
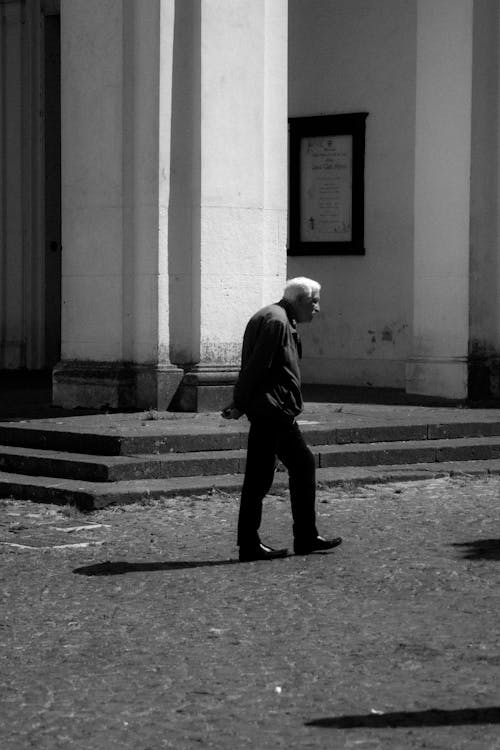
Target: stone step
408,452
82,467
139,437
135,436
90,496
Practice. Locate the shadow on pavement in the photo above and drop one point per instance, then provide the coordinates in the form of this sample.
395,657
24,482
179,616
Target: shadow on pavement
480,549
121,567
433,717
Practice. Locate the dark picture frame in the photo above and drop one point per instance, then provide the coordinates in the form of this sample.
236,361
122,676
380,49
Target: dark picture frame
326,183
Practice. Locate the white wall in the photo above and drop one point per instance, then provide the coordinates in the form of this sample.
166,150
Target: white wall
353,56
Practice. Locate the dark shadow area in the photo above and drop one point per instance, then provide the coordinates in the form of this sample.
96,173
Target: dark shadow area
344,394
27,394
120,567
23,393
432,717
480,549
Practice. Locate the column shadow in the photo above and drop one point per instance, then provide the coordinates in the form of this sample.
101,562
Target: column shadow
433,717
120,567
480,549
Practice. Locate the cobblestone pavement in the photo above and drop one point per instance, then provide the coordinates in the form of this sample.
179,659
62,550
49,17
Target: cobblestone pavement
134,628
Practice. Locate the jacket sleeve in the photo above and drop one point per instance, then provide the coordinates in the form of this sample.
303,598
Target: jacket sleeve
257,363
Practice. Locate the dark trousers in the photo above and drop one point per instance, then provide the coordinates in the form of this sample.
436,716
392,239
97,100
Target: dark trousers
269,439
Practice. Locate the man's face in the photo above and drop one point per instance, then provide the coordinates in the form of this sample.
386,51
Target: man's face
306,307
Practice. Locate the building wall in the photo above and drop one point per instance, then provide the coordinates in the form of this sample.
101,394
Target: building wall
23,179
353,56
21,226
95,320
11,292
484,342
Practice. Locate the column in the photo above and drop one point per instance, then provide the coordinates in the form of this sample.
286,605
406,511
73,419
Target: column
116,63
438,366
230,223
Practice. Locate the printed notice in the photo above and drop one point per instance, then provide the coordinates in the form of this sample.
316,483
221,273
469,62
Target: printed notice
326,188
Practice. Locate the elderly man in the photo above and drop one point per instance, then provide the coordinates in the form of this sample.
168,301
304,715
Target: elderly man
268,391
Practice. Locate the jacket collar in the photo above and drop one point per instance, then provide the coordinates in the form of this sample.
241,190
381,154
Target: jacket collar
289,311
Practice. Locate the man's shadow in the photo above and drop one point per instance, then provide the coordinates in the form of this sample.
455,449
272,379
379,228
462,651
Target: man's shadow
432,717
120,567
480,549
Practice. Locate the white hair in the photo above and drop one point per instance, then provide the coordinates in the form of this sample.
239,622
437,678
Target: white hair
299,287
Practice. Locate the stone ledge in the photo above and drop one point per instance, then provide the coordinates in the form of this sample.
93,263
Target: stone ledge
114,385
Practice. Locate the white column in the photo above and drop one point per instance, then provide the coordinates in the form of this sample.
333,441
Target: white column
243,167
438,366
116,87
238,230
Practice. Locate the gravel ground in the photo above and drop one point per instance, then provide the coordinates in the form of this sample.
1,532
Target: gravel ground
134,628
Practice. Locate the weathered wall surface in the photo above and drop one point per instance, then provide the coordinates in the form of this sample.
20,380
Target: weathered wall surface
484,343
92,181
353,56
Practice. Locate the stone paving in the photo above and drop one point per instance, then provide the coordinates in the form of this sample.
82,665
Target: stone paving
134,628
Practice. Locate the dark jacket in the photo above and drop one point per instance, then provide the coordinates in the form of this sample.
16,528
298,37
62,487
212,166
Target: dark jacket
269,381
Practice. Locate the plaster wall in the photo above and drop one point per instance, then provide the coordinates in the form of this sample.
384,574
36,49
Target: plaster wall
116,115
352,56
484,313
92,179
485,163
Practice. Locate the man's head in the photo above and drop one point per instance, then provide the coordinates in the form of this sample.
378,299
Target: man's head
303,295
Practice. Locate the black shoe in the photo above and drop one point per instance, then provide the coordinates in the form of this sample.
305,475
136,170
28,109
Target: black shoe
261,552
318,544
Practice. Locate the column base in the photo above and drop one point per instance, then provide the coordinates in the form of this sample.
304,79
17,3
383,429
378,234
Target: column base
114,385
446,378
205,388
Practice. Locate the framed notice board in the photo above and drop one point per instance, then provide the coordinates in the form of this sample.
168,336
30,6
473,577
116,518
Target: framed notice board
327,191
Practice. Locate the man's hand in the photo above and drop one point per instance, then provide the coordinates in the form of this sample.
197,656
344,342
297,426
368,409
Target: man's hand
231,412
